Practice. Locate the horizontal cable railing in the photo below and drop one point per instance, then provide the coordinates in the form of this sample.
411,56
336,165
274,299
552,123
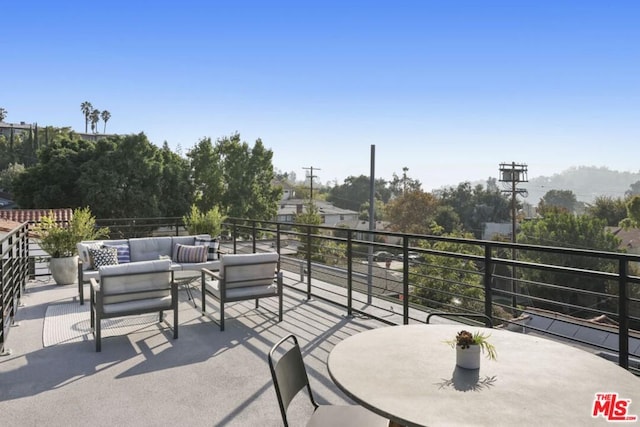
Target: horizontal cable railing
501,280
513,284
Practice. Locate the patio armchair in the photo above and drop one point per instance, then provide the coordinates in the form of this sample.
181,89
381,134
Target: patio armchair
243,277
133,289
290,377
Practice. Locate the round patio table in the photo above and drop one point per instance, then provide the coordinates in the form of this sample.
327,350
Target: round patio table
408,374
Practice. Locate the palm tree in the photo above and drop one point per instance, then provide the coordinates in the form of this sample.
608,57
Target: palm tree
95,118
105,118
86,108
3,114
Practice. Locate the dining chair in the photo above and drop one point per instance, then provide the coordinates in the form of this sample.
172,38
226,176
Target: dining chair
488,322
290,377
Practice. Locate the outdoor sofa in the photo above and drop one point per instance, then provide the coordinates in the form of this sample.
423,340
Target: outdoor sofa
185,253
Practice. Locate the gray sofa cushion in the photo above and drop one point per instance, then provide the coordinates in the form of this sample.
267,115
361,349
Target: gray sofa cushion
149,248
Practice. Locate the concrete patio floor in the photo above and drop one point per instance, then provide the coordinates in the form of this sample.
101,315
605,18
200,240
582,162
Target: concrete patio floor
146,378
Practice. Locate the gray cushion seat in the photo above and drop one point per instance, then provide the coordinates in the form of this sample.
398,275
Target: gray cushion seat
132,289
243,277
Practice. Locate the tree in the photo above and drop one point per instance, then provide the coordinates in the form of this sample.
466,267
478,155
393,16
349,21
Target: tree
399,185
439,279
564,199
355,191
634,190
95,118
476,206
86,108
412,212
3,114
9,175
118,177
563,229
307,221
53,181
105,115
608,209
235,177
207,175
124,178
633,213
247,176
176,187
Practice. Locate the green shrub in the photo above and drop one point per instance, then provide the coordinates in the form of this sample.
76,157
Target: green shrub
209,223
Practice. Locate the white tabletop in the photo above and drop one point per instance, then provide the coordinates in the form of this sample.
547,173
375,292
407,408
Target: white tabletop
408,374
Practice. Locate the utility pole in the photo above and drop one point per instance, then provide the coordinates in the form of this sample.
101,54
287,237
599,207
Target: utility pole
311,176
514,174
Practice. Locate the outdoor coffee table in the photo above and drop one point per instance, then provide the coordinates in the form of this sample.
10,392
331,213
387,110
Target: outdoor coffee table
186,279
408,375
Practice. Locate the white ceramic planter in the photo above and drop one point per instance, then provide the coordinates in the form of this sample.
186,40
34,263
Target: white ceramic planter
468,358
64,270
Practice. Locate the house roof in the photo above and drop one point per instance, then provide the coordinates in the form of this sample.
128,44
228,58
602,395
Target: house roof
6,225
629,237
34,215
324,208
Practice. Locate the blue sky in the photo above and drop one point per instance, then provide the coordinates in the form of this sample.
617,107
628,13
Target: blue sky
449,89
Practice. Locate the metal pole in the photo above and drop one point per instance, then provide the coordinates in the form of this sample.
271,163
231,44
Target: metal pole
372,223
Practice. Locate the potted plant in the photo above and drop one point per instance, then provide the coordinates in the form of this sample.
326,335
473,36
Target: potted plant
210,223
469,346
59,241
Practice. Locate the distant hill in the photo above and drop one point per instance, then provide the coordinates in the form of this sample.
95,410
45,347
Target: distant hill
586,182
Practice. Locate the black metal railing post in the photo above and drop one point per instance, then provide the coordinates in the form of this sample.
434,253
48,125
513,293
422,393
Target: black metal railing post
278,243
308,262
488,294
253,237
234,230
349,275
623,311
405,281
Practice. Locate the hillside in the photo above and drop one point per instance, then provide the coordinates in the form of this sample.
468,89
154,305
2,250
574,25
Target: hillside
586,182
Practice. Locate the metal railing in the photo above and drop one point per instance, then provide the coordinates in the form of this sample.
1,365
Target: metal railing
14,272
503,281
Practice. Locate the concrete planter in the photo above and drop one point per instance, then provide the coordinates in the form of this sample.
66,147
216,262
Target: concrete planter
64,270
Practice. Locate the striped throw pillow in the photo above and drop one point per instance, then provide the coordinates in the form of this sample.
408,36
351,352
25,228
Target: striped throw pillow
191,254
123,252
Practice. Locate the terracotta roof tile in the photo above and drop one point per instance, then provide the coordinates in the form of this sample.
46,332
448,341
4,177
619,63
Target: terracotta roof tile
34,215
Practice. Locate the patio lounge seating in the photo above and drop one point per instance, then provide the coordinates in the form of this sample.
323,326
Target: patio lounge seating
133,289
243,277
147,249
